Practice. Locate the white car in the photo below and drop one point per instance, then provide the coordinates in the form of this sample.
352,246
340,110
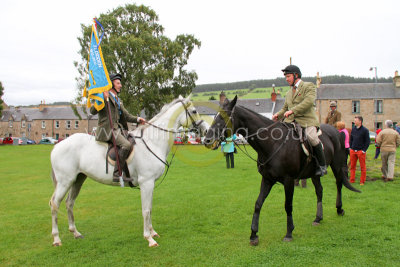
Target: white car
47,140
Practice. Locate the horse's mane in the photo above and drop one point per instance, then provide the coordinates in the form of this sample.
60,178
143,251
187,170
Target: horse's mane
164,109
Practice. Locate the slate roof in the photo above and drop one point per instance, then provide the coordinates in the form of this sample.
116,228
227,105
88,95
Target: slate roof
358,91
48,113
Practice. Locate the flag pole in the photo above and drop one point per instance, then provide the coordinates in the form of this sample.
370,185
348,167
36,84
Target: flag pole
121,181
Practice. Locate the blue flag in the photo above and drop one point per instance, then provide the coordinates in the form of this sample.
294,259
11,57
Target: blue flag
99,80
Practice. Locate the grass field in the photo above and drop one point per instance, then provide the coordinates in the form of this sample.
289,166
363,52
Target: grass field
202,212
242,93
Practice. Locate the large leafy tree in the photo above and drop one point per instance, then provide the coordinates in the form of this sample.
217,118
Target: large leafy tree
151,64
1,94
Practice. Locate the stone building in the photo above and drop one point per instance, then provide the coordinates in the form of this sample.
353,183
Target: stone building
375,102
46,121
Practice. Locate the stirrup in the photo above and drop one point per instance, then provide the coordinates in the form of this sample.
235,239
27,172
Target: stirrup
321,171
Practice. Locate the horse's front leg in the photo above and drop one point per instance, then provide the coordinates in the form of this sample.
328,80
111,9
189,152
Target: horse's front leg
318,191
264,191
289,188
146,193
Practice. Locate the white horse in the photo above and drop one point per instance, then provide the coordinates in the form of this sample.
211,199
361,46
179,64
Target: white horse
81,156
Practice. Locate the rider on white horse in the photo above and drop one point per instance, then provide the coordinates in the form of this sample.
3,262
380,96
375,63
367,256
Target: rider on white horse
119,118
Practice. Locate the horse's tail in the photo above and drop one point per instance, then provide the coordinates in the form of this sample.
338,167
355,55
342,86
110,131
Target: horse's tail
347,184
345,174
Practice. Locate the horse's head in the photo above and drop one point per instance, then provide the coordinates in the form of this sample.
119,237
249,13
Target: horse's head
222,126
191,118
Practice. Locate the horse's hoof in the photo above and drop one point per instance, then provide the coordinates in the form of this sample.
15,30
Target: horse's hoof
57,244
153,245
315,223
79,237
287,239
254,242
341,213
155,235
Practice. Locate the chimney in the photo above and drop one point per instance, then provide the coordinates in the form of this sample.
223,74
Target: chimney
396,79
273,94
42,105
319,80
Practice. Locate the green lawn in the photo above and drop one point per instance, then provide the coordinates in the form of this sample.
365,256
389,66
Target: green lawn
202,212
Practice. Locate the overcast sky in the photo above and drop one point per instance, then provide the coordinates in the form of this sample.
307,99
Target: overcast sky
241,40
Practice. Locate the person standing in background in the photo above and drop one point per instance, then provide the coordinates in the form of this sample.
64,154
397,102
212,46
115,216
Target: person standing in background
340,125
388,140
359,143
333,115
377,148
228,147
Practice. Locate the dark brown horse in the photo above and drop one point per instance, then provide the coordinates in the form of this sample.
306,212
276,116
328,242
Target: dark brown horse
280,157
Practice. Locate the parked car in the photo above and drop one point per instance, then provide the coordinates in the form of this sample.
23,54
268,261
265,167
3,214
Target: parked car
28,141
8,141
192,141
48,141
178,141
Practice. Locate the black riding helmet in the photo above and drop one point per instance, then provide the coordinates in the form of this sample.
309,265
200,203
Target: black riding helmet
115,76
292,69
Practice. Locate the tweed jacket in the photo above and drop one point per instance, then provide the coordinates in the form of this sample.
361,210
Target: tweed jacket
103,131
302,104
333,117
388,139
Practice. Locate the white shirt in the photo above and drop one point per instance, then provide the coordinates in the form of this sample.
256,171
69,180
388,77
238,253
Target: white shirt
297,84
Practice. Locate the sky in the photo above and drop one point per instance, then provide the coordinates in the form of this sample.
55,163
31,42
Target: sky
241,40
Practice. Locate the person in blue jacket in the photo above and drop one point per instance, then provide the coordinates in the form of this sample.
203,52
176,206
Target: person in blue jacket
228,147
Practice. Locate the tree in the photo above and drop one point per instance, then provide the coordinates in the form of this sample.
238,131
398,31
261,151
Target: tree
212,98
1,94
151,64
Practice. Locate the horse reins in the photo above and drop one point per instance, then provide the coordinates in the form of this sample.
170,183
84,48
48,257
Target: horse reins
264,129
166,163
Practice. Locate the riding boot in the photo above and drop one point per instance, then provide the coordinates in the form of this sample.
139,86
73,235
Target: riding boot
321,166
122,156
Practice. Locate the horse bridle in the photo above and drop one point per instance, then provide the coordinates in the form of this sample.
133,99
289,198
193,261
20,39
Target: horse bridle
187,113
266,128
166,163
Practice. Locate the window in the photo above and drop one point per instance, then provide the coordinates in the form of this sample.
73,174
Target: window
378,125
10,123
43,124
394,124
352,124
57,124
68,124
66,135
43,136
355,106
57,136
23,124
76,124
378,106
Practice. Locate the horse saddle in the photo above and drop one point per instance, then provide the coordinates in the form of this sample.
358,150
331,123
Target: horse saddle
301,132
111,155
